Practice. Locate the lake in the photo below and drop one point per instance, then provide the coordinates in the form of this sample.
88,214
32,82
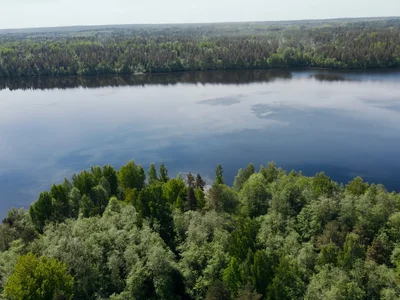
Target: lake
346,124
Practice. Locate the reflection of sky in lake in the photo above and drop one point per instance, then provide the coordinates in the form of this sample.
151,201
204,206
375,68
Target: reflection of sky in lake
343,127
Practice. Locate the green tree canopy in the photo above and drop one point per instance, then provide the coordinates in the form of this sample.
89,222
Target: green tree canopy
42,278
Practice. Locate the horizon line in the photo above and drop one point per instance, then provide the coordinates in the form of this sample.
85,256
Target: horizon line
195,23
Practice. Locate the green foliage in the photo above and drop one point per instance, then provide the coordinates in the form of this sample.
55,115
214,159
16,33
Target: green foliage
357,187
335,284
110,175
287,283
243,238
163,173
84,182
328,44
191,197
87,208
175,191
218,291
99,196
323,185
200,197
242,176
273,236
222,198
232,276
328,255
219,175
41,211
352,250
153,206
270,173
262,270
394,227
152,178
254,196
42,278
131,176
200,183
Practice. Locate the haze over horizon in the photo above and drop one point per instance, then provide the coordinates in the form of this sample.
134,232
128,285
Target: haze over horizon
54,13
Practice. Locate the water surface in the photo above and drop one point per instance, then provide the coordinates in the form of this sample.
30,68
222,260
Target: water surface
344,123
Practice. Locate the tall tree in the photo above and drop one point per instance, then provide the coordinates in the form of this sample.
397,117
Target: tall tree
41,211
110,174
262,271
219,172
84,182
131,176
200,183
152,174
191,197
242,176
190,180
163,173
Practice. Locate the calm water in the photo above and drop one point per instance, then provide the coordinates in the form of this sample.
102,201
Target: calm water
344,123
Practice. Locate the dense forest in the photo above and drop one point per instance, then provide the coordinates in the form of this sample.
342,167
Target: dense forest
337,44
136,234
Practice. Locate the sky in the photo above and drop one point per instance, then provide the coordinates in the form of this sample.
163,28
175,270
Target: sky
49,13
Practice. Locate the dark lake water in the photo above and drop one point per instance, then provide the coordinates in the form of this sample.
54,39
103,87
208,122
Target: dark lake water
343,123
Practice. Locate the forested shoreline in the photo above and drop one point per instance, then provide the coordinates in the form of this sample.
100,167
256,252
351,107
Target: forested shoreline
346,44
139,234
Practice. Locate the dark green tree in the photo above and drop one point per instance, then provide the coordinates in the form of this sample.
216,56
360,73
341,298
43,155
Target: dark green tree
41,211
110,174
287,283
262,271
153,206
99,198
61,209
200,183
243,238
218,291
84,182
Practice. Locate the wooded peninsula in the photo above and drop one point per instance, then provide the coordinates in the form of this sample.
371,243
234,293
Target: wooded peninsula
130,49
136,234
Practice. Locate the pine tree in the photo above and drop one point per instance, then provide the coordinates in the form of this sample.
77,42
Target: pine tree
200,183
219,179
163,173
152,174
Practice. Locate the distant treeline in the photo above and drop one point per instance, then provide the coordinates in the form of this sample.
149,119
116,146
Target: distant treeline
173,48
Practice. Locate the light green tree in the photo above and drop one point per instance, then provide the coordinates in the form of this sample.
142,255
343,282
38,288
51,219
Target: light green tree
43,278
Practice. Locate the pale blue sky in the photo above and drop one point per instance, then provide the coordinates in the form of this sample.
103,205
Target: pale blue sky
38,13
